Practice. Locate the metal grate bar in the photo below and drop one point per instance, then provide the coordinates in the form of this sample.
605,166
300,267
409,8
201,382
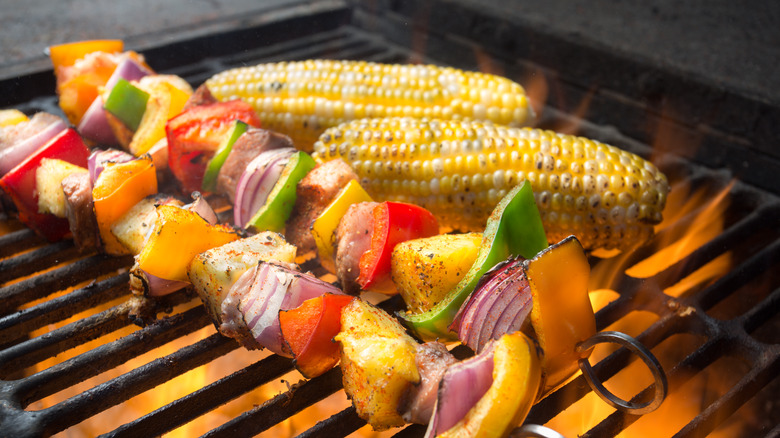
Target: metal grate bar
340,424
30,262
57,309
281,407
205,399
109,355
141,379
18,241
42,285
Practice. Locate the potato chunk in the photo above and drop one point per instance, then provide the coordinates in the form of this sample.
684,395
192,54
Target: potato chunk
424,270
48,180
377,362
213,272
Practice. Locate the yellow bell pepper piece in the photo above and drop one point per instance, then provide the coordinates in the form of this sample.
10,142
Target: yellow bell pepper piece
516,379
178,236
165,101
561,315
118,188
65,55
12,117
324,227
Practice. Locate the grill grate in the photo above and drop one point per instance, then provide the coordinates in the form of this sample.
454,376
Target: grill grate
32,271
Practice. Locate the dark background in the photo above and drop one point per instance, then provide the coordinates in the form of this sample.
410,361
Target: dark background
735,44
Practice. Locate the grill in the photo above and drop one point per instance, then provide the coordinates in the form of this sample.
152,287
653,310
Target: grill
723,328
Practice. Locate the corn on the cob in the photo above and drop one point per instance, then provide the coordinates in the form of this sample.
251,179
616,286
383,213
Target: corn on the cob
607,197
302,99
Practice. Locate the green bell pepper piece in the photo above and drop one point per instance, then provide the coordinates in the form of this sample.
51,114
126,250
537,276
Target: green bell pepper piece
127,103
274,214
215,164
513,228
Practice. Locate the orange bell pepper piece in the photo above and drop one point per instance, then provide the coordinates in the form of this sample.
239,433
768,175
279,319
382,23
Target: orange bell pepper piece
118,188
561,314
178,236
65,55
308,331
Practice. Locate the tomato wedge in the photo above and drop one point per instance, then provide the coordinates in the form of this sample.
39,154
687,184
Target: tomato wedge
195,135
308,331
394,222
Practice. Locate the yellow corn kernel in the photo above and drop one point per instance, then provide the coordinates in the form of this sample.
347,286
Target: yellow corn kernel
458,170
303,98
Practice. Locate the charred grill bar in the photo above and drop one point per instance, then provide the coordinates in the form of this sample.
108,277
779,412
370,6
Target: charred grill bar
733,316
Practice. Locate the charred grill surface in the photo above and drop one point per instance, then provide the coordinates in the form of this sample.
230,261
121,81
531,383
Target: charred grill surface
731,316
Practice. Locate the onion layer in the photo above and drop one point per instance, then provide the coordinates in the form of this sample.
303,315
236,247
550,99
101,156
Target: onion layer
98,159
462,386
94,124
12,156
499,305
201,206
251,309
257,181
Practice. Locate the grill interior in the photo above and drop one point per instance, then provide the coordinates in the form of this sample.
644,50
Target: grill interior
54,298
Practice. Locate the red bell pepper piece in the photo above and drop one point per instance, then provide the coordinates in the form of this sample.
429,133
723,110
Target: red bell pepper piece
195,135
20,183
308,331
394,222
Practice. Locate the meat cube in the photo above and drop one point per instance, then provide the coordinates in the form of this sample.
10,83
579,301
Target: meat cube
78,209
314,193
353,238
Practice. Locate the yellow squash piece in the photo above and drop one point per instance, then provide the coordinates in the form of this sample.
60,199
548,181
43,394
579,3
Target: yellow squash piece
167,96
425,270
377,362
561,315
118,188
178,236
324,227
516,380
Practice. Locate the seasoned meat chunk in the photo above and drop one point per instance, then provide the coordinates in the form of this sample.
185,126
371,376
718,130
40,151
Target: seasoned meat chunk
315,192
78,209
353,238
432,359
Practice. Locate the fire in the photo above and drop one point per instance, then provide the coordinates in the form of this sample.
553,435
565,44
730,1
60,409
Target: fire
179,386
692,219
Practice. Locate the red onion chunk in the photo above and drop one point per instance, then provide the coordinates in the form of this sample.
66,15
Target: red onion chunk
94,124
257,181
461,387
160,286
10,157
201,206
99,158
500,304
253,309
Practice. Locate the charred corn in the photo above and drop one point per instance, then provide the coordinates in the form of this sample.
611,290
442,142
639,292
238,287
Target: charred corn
302,99
607,197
